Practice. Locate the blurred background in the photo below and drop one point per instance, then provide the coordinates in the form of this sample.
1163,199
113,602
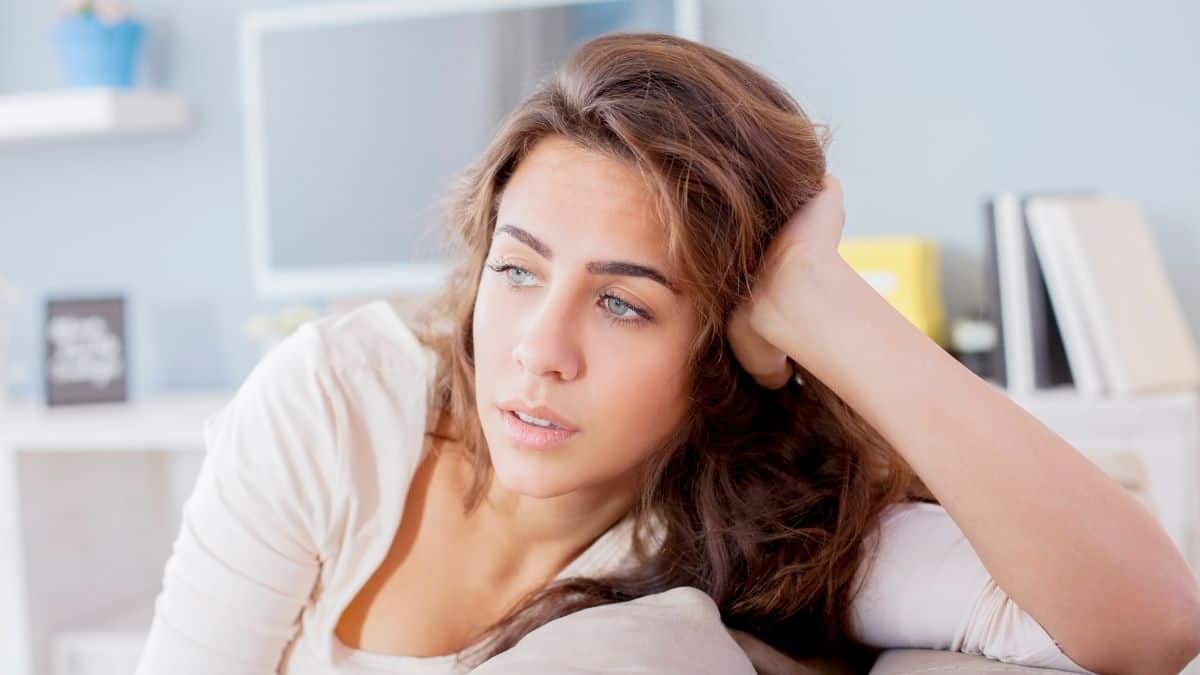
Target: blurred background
933,106
181,183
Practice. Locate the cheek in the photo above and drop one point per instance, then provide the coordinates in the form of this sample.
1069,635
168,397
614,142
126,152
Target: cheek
482,341
489,327
641,399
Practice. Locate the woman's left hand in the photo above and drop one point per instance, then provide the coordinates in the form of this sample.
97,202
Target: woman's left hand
808,239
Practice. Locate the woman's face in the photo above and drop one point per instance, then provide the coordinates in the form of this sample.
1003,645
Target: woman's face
577,312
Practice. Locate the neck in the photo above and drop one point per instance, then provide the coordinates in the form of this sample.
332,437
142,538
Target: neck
536,537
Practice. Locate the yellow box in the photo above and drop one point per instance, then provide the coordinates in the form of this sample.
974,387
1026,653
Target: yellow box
904,270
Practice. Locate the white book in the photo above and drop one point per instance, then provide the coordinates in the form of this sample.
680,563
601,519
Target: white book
1012,269
1046,217
1141,337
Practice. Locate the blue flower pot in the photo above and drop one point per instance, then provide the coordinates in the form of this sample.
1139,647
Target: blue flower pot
98,54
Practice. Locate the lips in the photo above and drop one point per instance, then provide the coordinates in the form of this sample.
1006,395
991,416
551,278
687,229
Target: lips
531,436
539,411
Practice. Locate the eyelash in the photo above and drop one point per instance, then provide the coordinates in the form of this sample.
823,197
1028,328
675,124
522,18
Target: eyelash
643,316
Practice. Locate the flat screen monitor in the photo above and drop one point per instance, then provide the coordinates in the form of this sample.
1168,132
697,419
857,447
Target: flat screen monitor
357,118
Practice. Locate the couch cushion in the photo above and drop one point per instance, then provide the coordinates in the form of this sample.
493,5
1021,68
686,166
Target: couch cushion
934,662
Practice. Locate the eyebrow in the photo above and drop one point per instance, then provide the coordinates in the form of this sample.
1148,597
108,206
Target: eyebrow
613,267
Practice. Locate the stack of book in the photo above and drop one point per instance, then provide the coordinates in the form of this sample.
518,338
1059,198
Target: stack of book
1079,295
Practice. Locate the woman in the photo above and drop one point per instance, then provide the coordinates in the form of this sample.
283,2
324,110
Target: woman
654,410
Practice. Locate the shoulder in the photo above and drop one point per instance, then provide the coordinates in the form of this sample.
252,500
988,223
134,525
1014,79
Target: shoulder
912,536
924,586
675,631
323,412
314,376
300,459
363,366
913,509
314,394
917,570
904,520
372,335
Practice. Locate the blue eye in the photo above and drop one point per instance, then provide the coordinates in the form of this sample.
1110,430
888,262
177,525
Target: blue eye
504,268
617,310
617,306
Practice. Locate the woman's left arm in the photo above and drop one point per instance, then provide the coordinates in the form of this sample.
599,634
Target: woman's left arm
1066,542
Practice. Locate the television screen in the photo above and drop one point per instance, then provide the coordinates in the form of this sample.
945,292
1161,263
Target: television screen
358,120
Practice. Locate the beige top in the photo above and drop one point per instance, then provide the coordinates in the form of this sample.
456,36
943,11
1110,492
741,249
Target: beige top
303,486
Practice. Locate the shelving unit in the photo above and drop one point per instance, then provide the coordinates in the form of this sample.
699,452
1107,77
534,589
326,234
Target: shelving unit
67,113
109,646
91,498
90,501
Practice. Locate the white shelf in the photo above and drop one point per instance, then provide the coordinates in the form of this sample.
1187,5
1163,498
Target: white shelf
86,490
168,423
111,646
66,113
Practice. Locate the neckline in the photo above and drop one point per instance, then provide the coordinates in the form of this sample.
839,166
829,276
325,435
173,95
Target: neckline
383,660
420,410
587,561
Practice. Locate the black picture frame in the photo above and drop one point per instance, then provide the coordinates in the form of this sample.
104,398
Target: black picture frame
86,350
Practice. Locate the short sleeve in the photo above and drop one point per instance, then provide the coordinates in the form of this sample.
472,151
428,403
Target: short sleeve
929,589
249,549
676,632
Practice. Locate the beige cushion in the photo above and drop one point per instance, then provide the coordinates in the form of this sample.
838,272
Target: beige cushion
935,662
770,661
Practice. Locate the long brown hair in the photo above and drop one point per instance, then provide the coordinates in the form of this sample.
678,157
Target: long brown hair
766,495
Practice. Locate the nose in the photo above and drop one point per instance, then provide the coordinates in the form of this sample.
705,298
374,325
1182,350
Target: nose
549,345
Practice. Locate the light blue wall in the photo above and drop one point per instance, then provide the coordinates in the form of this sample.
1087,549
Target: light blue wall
159,218
934,105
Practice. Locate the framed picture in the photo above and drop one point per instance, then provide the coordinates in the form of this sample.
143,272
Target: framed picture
86,355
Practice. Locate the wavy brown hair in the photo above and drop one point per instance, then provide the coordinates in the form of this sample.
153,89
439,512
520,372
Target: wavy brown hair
766,495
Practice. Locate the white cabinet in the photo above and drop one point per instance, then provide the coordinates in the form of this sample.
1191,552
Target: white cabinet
90,500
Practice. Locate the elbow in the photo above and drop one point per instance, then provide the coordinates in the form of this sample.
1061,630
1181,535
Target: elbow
1166,647
1176,655
1180,643
1187,643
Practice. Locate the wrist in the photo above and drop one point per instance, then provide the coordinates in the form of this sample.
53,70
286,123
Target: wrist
810,286
804,280
817,272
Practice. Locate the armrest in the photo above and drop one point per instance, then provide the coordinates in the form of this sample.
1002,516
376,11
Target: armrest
933,661
769,661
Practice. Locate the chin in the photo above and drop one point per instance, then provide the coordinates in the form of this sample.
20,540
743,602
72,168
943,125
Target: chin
529,476
529,484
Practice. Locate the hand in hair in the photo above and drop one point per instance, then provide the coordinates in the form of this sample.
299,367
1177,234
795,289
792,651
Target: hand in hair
809,238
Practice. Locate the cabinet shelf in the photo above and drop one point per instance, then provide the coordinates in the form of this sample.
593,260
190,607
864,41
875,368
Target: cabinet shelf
166,423
89,491
109,645
97,111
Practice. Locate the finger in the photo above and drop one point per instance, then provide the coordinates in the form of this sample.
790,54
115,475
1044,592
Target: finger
766,364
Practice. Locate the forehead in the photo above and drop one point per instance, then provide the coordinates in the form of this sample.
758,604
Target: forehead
583,201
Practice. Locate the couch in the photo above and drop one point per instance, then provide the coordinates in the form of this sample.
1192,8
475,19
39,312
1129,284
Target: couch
906,661
769,661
